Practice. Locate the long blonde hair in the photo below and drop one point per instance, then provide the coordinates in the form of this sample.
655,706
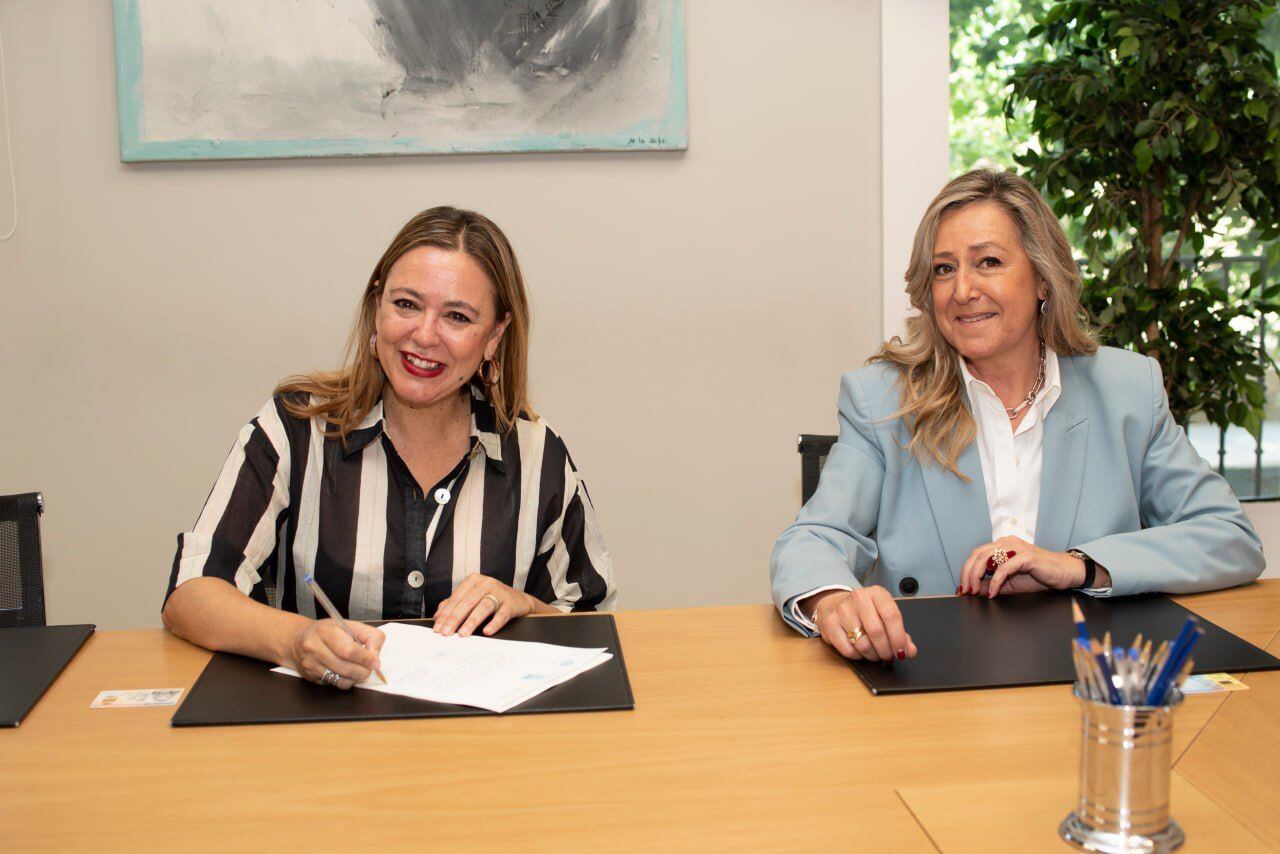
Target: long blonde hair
345,396
931,398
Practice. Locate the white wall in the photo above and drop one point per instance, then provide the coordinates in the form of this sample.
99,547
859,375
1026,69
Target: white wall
915,116
692,311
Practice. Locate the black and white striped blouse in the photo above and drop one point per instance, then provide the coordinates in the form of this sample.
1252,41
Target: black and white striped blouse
291,500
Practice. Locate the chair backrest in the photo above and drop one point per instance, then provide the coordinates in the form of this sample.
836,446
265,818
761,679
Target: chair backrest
813,456
21,565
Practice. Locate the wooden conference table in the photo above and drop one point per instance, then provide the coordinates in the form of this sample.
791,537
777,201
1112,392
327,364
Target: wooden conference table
744,737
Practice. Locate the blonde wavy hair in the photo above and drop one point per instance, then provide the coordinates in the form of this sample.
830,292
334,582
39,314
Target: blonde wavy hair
345,396
931,399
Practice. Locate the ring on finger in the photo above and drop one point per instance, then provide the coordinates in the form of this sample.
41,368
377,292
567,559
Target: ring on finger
998,558
856,634
493,599
330,678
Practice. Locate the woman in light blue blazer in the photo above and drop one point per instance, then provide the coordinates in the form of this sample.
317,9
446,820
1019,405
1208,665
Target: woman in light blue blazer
998,449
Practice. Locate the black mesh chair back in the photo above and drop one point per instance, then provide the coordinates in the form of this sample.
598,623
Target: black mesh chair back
21,565
813,456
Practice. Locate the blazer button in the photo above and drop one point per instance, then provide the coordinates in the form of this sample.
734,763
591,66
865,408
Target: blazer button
908,586
415,579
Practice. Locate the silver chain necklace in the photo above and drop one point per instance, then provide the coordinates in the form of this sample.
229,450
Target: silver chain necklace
1036,387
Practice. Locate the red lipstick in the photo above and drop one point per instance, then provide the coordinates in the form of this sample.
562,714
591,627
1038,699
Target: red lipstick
414,370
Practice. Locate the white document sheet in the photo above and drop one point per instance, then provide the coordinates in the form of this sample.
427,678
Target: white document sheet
476,671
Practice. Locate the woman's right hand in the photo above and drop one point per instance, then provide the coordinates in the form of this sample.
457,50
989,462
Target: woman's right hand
323,645
872,609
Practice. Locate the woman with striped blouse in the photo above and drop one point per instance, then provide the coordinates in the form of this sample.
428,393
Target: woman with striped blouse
414,482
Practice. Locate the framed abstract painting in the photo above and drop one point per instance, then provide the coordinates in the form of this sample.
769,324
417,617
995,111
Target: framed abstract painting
218,79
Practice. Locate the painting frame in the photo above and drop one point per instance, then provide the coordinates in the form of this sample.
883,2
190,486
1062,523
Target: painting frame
668,132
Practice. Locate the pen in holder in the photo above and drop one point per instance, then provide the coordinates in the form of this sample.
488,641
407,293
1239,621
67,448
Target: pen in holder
1127,697
1125,764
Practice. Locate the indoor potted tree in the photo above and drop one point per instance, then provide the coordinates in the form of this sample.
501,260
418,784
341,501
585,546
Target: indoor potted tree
1156,121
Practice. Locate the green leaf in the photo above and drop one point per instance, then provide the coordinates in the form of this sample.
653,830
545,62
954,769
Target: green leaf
1210,142
1253,423
1170,8
1257,109
1128,47
1142,151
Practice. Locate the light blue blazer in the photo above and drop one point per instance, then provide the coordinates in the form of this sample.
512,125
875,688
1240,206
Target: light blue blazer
1120,481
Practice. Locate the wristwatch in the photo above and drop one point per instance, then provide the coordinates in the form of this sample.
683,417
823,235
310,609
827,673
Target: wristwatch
1090,567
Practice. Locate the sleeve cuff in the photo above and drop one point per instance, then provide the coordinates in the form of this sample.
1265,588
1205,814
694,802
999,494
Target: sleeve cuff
801,621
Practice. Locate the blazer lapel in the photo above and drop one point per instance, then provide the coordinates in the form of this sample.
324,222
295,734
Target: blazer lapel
1066,439
959,507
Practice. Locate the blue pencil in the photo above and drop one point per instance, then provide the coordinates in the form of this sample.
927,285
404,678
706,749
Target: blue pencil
1082,631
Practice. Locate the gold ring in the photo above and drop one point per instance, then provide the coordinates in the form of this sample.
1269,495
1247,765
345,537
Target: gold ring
999,556
856,634
493,599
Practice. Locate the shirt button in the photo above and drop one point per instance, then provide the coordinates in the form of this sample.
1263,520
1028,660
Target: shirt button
416,579
1014,520
442,496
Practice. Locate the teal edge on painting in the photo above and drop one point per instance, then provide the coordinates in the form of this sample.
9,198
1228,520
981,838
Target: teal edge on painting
665,133
129,77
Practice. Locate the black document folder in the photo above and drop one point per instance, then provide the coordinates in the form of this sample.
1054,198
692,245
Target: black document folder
968,642
237,690
31,657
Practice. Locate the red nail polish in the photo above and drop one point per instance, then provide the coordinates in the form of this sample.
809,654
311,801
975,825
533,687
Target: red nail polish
902,654
1011,553
959,590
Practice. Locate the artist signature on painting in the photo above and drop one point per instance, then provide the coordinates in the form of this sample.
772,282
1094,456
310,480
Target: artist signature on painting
647,140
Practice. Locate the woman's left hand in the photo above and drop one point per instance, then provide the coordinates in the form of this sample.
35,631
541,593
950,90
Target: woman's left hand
1028,568
479,598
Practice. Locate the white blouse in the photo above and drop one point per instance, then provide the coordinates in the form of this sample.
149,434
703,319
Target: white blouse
1012,460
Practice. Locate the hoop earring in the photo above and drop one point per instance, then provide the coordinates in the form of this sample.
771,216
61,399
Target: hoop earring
490,366
1044,308
373,343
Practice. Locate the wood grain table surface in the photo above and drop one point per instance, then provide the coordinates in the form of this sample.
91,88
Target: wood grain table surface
745,736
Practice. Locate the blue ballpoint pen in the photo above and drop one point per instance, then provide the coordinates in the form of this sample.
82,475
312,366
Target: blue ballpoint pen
1177,654
1164,684
1112,693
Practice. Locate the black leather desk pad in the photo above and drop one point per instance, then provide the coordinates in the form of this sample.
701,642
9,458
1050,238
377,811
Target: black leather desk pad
968,642
238,690
31,657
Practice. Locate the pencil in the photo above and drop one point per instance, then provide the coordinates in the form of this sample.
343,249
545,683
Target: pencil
333,613
1082,631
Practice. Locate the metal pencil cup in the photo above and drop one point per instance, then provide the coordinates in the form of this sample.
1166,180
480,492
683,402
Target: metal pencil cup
1125,764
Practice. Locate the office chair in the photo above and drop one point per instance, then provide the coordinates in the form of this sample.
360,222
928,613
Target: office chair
813,456
21,565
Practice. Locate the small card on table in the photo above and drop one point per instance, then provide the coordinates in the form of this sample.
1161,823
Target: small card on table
1212,683
136,698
